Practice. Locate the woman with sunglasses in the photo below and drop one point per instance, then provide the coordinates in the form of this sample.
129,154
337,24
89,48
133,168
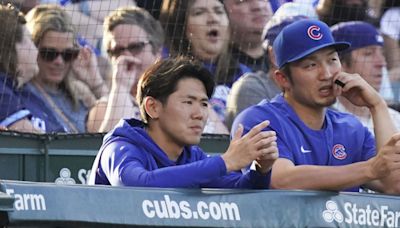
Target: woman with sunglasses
68,79
20,109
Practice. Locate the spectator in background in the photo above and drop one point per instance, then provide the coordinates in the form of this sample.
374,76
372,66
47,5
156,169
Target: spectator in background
161,151
247,20
86,15
365,57
390,28
20,109
336,11
251,88
319,148
133,40
201,29
61,62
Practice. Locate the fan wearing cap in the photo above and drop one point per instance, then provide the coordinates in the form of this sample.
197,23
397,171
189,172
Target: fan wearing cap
319,148
365,57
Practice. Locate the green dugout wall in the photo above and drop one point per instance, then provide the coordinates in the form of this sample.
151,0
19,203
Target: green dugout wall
62,158
66,159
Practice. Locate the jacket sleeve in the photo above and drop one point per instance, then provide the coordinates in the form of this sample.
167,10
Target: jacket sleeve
125,164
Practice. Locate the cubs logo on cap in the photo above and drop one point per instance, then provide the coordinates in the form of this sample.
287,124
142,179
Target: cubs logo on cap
313,32
339,152
302,38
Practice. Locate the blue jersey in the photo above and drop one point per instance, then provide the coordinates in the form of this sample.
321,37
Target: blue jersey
129,157
17,104
342,140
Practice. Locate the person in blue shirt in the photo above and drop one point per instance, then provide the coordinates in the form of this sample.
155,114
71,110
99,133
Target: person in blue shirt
319,148
161,151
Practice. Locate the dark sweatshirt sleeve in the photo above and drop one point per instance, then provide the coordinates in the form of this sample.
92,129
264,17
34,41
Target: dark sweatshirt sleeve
127,165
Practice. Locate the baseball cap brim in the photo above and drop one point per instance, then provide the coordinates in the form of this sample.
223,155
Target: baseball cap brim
338,46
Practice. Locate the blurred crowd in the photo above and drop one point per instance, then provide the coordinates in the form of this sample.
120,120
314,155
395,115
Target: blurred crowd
73,66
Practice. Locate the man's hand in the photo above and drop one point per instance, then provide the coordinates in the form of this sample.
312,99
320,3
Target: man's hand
126,74
264,162
357,90
256,144
387,160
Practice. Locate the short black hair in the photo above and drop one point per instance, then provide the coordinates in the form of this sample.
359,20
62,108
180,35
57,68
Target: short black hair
161,79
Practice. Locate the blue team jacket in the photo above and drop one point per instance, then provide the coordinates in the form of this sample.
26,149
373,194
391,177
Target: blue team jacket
129,157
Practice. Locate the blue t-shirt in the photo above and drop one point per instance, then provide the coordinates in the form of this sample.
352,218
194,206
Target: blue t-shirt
342,140
17,104
129,157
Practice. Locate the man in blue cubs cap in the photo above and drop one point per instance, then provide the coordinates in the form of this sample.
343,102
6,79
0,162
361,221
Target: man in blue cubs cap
365,57
319,148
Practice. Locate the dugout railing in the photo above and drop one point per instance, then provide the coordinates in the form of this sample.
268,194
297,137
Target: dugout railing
41,179
52,205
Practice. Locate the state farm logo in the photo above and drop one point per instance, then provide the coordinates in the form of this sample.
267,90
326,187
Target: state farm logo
362,215
332,212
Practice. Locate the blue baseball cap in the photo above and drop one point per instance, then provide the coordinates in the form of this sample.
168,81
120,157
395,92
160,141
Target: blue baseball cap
358,33
303,38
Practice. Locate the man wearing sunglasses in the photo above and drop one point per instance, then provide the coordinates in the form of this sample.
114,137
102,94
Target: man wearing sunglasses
133,40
